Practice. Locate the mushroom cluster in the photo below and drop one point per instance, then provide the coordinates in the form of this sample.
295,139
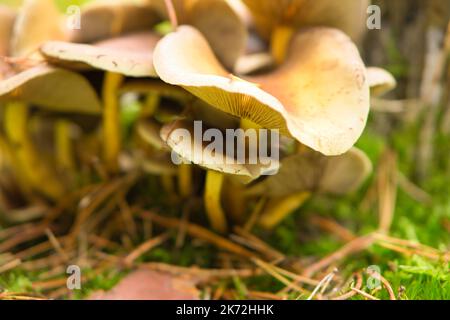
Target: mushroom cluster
291,67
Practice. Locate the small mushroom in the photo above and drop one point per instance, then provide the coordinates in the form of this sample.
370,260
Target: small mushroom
217,21
51,88
300,97
127,55
346,15
309,172
182,138
380,81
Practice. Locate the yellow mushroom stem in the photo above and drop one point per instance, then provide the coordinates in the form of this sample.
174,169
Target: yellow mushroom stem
185,180
64,147
33,167
235,201
111,121
278,210
212,198
150,105
168,184
281,37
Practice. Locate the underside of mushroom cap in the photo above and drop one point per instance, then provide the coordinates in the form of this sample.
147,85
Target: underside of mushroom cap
51,88
347,15
311,171
180,136
300,98
380,81
130,55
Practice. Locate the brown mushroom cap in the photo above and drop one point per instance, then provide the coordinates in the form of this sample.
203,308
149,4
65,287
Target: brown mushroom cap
301,97
106,19
311,171
190,149
217,21
52,88
36,22
346,15
130,55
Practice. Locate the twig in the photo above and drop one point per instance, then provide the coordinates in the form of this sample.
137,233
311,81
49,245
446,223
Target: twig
172,14
354,246
144,247
199,232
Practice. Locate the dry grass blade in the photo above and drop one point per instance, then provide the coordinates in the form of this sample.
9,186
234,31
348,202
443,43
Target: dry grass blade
323,284
365,294
274,273
202,275
351,293
145,247
27,234
10,265
199,232
354,246
387,189
257,244
328,224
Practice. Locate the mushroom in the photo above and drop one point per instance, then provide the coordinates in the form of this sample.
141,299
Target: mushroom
277,20
51,88
42,86
124,55
217,21
380,81
299,97
304,173
183,138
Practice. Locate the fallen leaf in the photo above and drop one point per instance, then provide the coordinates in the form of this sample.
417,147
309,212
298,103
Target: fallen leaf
150,285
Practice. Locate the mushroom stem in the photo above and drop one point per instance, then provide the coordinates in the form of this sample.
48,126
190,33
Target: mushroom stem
111,120
212,198
150,106
185,180
281,37
33,167
167,184
280,209
63,143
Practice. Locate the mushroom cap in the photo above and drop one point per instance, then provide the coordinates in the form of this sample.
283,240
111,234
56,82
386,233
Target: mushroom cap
191,149
149,131
255,62
301,97
222,27
37,21
7,18
130,55
105,19
311,171
51,88
216,20
346,15
380,81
